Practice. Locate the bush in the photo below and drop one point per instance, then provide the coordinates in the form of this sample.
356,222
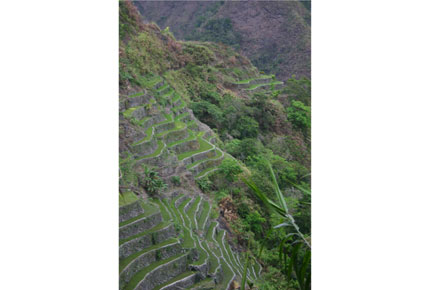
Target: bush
175,180
230,169
299,116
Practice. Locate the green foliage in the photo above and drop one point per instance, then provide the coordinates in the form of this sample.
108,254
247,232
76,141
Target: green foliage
246,127
299,90
230,169
299,116
204,184
293,239
175,180
152,183
201,54
217,30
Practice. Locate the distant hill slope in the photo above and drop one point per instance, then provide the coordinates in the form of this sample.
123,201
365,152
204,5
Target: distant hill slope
274,35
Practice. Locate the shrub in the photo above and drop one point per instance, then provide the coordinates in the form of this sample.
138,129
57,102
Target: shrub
175,180
230,169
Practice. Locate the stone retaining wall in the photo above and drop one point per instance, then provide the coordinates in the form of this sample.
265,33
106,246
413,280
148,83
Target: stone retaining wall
154,120
176,135
183,284
144,148
163,273
207,164
146,259
130,211
139,113
199,156
137,101
138,244
164,127
139,226
191,145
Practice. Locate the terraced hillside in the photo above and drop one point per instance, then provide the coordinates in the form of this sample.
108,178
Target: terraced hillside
169,136
173,243
258,83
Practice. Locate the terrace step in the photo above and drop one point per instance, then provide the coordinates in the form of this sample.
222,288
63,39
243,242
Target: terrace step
182,281
159,272
136,262
205,284
130,211
139,226
158,234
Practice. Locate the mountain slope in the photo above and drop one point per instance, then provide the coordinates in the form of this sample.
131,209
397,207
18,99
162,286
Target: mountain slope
275,35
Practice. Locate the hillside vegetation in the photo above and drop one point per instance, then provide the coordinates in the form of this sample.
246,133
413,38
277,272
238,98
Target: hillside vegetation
200,130
274,35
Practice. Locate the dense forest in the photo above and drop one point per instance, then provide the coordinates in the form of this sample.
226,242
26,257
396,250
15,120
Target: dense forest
216,149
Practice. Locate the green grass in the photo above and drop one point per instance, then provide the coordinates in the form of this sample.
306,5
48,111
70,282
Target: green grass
177,127
202,255
205,209
149,133
188,241
168,119
181,106
255,86
153,81
141,274
223,249
204,284
227,274
181,116
160,146
204,145
218,153
192,211
231,257
127,198
204,171
214,249
213,262
143,120
263,77
190,137
123,263
177,278
149,208
167,95
192,124
167,204
162,88
165,215
131,220
154,229
127,113
136,95
176,98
